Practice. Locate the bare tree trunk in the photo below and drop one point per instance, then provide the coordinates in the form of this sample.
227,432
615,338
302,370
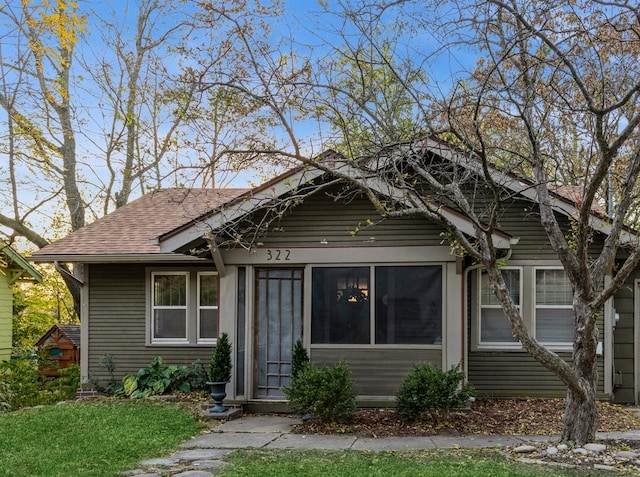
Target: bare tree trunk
580,416
580,419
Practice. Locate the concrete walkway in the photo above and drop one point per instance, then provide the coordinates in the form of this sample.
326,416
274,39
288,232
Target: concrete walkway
203,455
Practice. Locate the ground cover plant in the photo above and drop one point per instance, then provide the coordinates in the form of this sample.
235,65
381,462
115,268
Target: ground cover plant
98,438
452,463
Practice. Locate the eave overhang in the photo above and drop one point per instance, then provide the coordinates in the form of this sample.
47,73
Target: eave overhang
119,258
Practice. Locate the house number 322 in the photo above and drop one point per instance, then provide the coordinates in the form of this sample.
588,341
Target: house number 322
278,255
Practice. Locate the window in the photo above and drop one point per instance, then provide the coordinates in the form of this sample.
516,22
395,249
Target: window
544,296
554,306
207,307
406,304
170,306
184,307
340,305
494,326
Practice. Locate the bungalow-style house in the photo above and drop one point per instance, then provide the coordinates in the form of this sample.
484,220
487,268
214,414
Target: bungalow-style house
13,268
168,272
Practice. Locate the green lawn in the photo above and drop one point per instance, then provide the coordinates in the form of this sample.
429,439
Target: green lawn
94,439
441,463
103,438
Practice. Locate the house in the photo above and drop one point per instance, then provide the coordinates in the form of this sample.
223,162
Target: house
13,268
61,345
304,257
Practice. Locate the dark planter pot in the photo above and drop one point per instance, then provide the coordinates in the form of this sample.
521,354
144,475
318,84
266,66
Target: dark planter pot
218,393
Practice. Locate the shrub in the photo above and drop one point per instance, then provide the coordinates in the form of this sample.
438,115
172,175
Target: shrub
198,376
299,358
220,366
65,387
429,390
156,378
5,397
22,386
325,392
22,383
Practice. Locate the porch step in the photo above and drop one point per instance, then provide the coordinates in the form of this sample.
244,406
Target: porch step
233,412
87,394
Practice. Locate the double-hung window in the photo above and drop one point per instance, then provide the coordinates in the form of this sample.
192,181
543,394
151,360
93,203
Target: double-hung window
554,309
376,305
184,307
207,307
543,295
494,327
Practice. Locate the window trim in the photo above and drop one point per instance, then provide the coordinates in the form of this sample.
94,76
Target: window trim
553,345
185,307
199,307
500,345
192,307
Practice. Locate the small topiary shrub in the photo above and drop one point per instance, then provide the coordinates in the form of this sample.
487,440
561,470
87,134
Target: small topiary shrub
428,390
299,358
220,365
325,392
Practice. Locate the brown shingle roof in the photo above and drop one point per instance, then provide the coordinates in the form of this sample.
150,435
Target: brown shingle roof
131,229
72,332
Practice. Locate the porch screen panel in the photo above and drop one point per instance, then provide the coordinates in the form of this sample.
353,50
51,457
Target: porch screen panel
279,325
340,308
408,305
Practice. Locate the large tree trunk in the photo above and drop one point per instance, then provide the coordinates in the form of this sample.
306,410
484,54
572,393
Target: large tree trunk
581,413
580,417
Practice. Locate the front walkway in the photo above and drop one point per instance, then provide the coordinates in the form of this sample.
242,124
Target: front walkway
203,455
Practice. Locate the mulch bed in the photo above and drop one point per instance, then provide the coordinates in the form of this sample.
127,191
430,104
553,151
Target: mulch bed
486,416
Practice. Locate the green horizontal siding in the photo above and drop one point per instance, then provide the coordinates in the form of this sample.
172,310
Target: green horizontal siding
376,372
117,323
320,217
623,358
516,373
6,317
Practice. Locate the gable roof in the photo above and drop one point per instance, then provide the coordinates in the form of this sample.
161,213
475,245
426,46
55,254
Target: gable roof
157,225
18,265
130,231
72,332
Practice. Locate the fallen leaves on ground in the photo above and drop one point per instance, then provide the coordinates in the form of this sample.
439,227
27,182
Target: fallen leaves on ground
485,416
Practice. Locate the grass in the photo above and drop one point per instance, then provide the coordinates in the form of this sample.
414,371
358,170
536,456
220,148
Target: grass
449,463
94,439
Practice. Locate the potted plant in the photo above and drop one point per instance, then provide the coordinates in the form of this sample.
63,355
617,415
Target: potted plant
220,372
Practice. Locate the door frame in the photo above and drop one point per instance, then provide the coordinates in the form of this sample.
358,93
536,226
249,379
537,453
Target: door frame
254,329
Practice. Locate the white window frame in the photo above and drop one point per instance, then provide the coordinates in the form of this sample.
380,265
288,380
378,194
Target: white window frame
553,345
199,307
181,307
192,307
515,345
